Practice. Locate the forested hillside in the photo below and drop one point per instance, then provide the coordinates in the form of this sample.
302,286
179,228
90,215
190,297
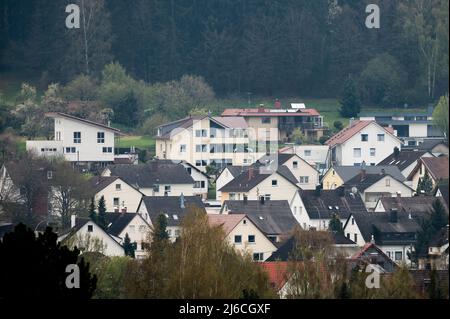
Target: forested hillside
267,47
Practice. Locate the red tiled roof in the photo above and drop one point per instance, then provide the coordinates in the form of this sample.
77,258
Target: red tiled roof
269,112
350,131
227,221
277,272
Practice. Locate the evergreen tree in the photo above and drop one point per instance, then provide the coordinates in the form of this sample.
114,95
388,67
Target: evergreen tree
335,224
92,213
160,229
425,184
128,246
434,289
439,218
101,217
350,103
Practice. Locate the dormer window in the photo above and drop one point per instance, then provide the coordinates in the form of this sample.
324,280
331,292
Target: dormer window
76,137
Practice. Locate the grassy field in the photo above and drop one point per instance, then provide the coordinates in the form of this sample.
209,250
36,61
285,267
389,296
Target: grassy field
142,142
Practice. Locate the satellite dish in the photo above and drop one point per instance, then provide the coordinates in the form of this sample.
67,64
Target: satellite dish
354,190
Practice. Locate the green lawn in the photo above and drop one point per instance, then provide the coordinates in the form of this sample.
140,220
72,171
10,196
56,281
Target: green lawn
142,142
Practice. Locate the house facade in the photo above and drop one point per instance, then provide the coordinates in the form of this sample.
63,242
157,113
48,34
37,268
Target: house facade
435,167
316,155
362,141
78,140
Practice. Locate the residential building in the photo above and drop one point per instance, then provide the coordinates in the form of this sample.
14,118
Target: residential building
155,178
336,176
131,224
442,191
78,140
412,128
87,236
174,208
318,207
436,168
273,217
285,121
316,155
244,235
394,232
405,160
278,277
118,194
435,146
226,175
372,187
410,205
438,250
362,141
371,255
207,141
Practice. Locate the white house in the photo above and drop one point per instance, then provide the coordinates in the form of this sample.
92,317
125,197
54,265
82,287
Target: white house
133,225
244,235
316,155
155,178
405,160
226,175
362,141
117,193
87,236
78,140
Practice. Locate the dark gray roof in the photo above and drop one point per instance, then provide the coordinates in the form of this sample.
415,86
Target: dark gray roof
274,217
414,205
427,144
171,207
252,177
404,159
441,238
97,183
118,221
281,158
364,182
185,123
318,207
443,187
348,172
149,174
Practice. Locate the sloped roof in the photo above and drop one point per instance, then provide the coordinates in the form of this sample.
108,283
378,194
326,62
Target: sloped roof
351,130
348,172
97,183
269,112
247,180
403,160
149,174
117,222
414,205
171,207
437,167
227,221
364,182
277,271
72,117
441,238
274,217
443,187
340,201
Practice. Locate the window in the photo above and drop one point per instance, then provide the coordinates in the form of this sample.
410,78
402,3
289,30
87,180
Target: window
201,133
348,235
307,152
198,184
201,148
267,197
118,187
71,150
100,137
77,137
304,179
353,221
265,120
182,148
116,201
49,174
232,196
132,228
201,163
142,228
156,188
58,136
237,239
107,149
258,256
167,188
295,164
372,152
90,228
380,137
177,233
355,238
388,182
356,152
274,182
251,238
398,256
169,232
364,137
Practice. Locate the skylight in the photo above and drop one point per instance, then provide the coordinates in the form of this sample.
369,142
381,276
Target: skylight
175,217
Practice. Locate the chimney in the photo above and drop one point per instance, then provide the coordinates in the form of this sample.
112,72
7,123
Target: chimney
318,190
262,200
372,239
393,216
363,171
116,209
73,220
383,172
396,152
124,210
245,199
341,191
261,108
250,172
277,104
182,202
399,194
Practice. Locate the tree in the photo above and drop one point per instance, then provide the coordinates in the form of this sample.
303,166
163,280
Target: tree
425,184
399,285
335,224
69,192
20,250
128,246
92,213
112,274
297,136
338,125
440,115
350,103
82,88
101,217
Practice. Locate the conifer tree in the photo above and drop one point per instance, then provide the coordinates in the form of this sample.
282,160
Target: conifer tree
101,217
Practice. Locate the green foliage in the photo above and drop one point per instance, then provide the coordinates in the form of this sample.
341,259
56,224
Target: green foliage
425,184
129,247
81,88
298,137
335,224
112,273
441,116
20,250
92,212
338,125
101,217
350,102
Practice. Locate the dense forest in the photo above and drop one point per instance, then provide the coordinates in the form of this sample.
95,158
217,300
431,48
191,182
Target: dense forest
267,47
